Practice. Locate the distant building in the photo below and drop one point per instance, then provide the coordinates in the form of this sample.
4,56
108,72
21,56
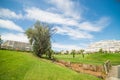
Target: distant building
65,52
107,45
69,51
16,45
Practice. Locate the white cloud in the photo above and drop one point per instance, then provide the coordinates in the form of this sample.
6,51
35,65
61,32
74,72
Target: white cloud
6,13
88,26
15,37
82,30
103,21
67,15
68,7
65,47
73,33
10,25
49,17
52,9
54,18
95,25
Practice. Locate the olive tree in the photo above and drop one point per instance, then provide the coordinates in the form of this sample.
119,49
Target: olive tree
39,37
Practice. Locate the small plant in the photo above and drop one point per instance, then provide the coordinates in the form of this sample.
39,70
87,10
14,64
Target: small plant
1,41
101,50
73,53
81,52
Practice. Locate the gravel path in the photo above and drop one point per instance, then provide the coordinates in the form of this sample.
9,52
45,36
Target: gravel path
119,71
114,73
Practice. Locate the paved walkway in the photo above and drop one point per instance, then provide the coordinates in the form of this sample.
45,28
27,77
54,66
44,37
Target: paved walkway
114,73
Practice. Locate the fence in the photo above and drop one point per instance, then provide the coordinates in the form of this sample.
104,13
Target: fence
107,66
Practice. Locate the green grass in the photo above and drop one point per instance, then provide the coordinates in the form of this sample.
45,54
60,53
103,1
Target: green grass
25,66
96,59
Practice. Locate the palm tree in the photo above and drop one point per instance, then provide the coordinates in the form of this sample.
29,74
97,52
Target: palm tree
81,52
73,53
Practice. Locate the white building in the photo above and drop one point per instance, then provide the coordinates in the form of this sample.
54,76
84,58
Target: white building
16,45
107,45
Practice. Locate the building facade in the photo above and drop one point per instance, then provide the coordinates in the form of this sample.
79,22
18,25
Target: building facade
108,45
15,45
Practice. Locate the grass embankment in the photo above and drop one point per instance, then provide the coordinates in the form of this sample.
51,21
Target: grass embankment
25,66
96,59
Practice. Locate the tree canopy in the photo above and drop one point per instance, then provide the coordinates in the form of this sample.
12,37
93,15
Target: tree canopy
39,37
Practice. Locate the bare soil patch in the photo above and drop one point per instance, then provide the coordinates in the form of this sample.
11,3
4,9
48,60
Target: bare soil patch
82,68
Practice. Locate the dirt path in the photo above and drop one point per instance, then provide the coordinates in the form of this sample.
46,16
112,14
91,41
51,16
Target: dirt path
76,67
114,73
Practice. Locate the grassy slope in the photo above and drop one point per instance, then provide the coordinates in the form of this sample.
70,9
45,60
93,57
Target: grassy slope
24,66
96,59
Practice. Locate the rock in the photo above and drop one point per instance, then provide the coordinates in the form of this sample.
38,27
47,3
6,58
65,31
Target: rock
67,64
85,66
99,68
91,67
80,65
94,68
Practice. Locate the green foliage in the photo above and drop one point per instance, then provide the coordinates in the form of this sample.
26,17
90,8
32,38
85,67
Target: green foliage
50,54
101,50
81,52
1,41
39,37
67,52
73,53
25,66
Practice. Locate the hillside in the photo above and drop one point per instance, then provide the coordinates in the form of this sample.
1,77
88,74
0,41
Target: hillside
25,66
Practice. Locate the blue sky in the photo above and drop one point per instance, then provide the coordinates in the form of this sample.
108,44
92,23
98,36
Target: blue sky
78,22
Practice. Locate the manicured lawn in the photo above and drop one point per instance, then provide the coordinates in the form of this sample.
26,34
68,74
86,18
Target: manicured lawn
25,66
96,59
